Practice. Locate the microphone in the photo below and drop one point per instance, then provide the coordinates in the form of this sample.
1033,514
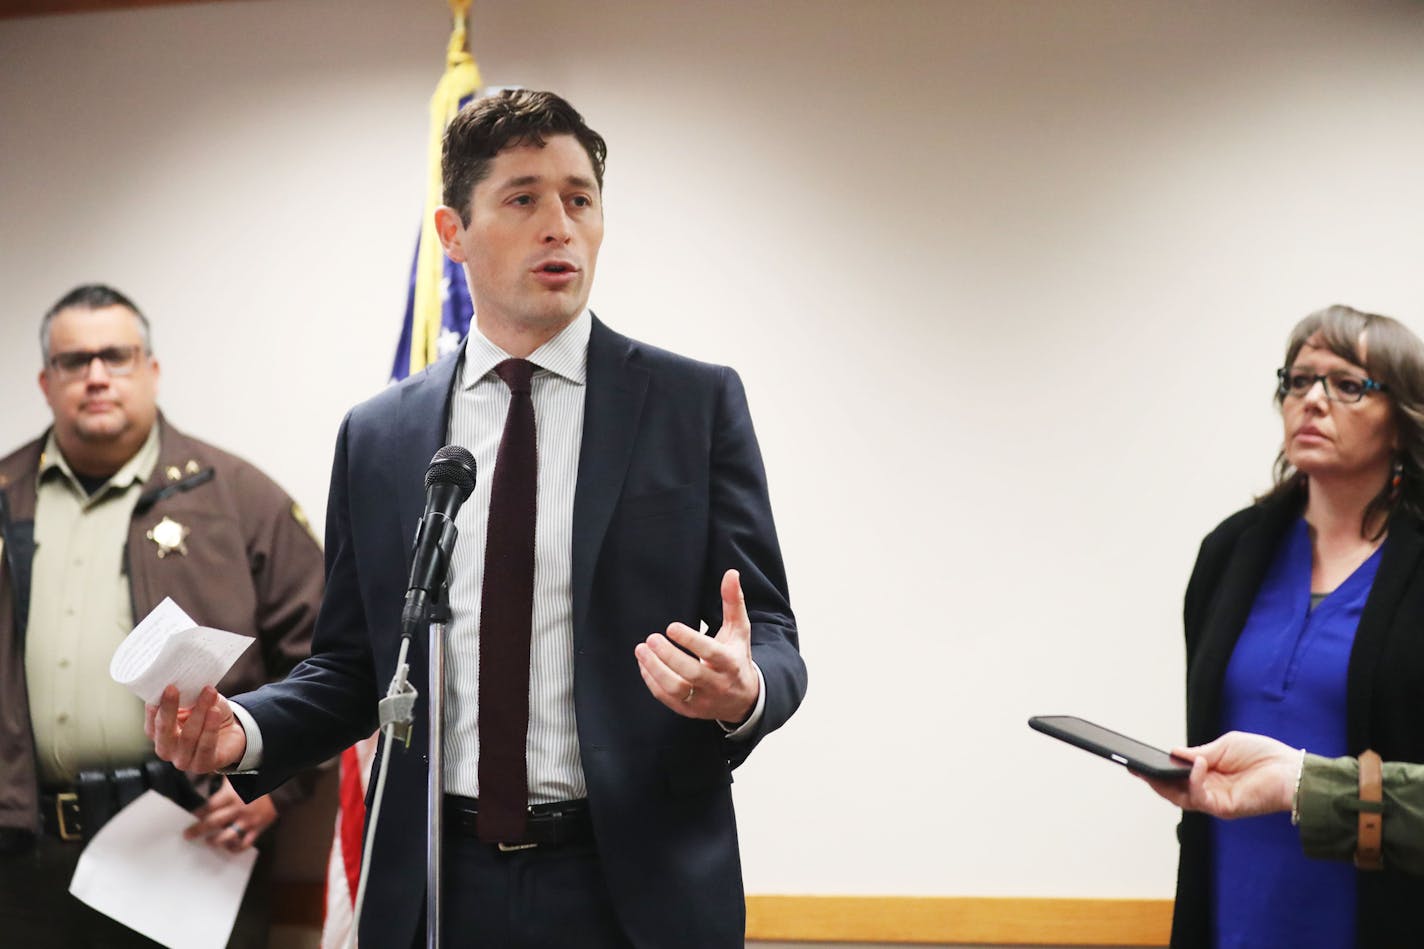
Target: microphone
448,482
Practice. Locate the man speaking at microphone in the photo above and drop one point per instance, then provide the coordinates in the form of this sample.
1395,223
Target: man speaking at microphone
621,491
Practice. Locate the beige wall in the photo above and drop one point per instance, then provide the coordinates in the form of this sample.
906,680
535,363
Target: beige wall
1006,282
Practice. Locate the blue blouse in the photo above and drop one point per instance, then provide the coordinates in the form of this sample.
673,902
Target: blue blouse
1287,679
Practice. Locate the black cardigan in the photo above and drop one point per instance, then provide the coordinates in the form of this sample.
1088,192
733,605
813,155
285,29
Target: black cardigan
1384,697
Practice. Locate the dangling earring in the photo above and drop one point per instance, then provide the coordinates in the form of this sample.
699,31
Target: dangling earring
1396,478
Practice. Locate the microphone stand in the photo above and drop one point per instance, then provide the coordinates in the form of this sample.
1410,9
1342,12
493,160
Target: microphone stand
439,615
448,482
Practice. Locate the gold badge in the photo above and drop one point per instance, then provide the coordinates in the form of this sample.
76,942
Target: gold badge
191,467
170,536
173,473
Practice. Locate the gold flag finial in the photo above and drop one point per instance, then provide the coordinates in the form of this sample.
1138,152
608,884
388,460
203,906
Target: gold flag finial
458,52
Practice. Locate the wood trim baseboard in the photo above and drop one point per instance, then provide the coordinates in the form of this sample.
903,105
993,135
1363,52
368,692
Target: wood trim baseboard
959,919
895,919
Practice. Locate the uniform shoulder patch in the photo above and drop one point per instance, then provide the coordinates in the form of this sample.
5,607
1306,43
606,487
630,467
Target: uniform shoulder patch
300,517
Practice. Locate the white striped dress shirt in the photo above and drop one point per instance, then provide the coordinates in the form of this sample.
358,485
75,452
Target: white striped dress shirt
477,413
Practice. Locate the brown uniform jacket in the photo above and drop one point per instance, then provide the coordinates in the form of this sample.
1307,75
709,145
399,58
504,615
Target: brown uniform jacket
252,566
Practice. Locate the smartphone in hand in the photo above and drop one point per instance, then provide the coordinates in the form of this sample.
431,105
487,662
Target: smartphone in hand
1132,754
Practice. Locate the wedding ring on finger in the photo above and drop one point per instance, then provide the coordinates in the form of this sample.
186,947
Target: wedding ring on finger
691,691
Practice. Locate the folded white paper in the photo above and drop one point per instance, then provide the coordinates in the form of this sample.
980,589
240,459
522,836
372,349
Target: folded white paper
139,870
169,647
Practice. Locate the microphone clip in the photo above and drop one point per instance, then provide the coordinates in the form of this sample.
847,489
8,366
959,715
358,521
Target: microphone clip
421,606
397,710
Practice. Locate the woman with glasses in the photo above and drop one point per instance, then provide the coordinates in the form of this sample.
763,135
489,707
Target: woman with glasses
1305,622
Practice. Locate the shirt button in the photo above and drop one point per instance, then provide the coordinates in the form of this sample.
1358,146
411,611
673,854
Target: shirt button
63,717
64,663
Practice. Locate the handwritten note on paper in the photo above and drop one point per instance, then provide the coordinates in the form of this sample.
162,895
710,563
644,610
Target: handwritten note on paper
139,870
169,647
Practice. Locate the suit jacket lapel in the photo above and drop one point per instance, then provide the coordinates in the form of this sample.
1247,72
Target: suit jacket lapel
423,424
1398,562
612,406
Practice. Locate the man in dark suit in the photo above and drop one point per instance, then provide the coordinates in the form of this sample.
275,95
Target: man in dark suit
641,505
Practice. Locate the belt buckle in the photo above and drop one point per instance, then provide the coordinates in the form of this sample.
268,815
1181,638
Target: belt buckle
60,800
514,848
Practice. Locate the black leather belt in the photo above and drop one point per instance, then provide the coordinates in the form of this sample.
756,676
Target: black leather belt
77,812
549,825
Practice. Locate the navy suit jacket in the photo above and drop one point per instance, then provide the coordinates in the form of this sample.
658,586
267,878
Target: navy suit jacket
671,493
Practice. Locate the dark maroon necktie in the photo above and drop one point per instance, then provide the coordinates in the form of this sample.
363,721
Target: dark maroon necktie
506,614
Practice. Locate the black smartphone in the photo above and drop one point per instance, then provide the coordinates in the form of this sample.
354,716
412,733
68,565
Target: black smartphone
1128,752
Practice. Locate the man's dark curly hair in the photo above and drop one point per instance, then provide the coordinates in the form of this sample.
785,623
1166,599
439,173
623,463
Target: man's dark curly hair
514,117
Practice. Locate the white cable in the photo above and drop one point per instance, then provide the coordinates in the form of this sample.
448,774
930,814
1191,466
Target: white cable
387,733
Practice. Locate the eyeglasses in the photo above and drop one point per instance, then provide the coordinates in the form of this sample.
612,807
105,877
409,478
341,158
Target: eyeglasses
1340,386
118,360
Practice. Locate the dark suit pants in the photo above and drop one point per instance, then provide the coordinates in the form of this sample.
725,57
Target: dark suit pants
545,898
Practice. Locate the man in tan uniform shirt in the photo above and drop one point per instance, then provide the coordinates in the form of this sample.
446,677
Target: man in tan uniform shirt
101,518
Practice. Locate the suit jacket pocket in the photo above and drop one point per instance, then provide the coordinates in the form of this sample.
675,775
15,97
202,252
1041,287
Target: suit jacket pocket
689,769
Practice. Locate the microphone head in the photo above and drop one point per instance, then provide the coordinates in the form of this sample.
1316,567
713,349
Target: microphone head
452,465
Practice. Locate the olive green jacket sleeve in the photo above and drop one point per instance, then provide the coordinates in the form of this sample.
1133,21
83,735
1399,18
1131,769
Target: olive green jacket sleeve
1329,811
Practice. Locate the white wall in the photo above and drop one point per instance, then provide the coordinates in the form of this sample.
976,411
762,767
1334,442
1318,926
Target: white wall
1006,282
